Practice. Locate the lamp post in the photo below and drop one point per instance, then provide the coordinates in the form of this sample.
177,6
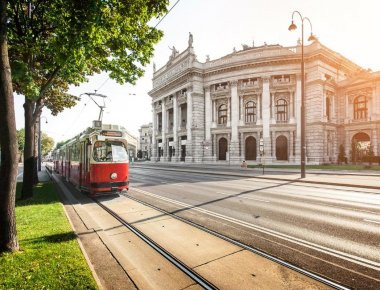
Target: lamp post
303,120
39,141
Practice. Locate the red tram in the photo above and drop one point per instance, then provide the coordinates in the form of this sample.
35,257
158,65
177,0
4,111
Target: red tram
95,161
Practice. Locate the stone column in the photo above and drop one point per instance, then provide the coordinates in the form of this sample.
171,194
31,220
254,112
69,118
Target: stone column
164,147
241,111
208,120
214,147
175,129
348,116
242,147
332,100
292,119
234,143
273,120
374,141
154,130
258,110
290,146
266,115
189,124
323,110
229,112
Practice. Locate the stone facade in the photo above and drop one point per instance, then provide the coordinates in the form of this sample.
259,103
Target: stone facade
246,106
145,141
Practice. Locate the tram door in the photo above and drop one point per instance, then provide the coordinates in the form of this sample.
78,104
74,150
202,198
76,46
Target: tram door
84,164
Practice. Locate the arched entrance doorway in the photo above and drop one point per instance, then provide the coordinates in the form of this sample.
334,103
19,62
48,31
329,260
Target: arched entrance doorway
250,148
360,146
282,148
222,149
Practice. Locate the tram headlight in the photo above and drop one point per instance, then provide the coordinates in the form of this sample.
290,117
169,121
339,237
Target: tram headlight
113,175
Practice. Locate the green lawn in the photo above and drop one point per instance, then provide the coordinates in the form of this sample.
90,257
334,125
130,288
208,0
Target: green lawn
50,257
323,167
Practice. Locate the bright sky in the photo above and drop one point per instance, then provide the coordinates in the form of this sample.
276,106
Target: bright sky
349,27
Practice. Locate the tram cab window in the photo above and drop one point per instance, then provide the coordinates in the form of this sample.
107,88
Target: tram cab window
109,151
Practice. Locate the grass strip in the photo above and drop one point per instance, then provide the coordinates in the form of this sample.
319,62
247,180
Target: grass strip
50,257
322,167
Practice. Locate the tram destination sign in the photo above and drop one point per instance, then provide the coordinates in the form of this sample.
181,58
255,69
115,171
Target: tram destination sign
112,133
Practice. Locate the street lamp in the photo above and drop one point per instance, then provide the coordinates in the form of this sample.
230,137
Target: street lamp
39,141
292,26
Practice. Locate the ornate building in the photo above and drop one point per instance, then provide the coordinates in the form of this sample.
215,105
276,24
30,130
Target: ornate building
246,106
146,141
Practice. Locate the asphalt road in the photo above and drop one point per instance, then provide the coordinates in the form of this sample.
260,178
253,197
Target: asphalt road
329,230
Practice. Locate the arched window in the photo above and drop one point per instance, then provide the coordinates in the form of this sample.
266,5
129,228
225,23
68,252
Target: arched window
222,114
328,108
250,112
281,111
360,107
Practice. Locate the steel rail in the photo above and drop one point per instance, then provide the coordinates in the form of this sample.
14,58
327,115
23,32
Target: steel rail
309,274
172,259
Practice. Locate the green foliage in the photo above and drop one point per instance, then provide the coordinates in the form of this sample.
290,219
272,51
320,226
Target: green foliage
64,41
342,154
59,144
47,144
21,139
50,256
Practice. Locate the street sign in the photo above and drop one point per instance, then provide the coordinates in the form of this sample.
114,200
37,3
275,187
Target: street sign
261,142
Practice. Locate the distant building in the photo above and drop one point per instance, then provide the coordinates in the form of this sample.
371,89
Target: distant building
146,140
132,143
224,109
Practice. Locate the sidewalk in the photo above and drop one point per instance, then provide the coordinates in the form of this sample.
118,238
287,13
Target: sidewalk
369,181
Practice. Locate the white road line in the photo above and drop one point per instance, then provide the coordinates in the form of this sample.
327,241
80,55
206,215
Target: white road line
372,221
243,197
336,253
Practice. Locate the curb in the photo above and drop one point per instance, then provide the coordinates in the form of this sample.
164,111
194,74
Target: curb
83,250
263,177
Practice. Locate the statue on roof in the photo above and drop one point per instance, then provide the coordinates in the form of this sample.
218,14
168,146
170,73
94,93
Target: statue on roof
190,39
154,67
174,52
207,57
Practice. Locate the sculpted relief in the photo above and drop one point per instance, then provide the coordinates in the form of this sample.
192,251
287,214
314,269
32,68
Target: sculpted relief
166,77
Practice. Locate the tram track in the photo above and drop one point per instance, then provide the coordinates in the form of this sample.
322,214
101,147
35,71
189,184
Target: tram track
172,259
288,265
200,280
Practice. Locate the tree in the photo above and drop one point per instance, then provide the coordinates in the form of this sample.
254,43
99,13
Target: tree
47,144
8,140
370,155
59,43
342,154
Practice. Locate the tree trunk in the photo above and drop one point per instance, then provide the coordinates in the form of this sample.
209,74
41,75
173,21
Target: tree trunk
35,167
8,140
29,148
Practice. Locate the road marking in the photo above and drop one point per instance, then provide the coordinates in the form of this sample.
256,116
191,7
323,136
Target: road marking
372,221
244,197
336,253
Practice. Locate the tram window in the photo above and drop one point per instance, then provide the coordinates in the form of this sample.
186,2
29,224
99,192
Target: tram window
108,151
